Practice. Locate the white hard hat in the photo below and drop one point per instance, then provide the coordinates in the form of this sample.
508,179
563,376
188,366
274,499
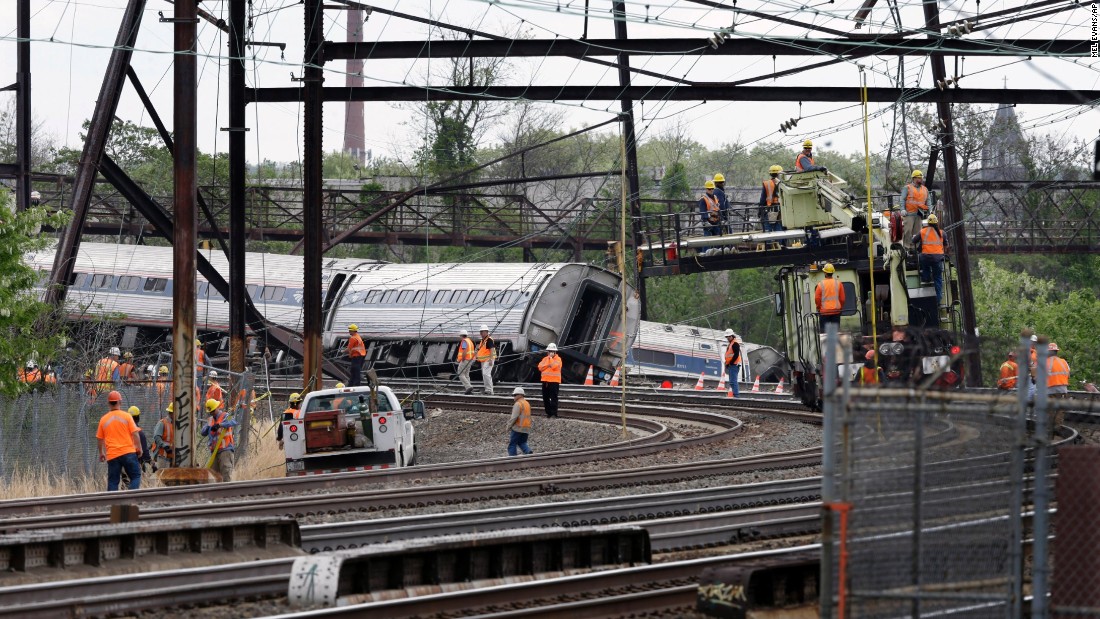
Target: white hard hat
552,347
518,391
113,351
484,328
1034,338
150,369
464,332
213,373
729,333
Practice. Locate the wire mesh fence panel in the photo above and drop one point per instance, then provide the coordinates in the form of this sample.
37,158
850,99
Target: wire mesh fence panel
932,495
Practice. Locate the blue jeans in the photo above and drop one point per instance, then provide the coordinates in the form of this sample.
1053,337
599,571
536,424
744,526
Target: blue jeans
735,373
932,269
133,471
518,442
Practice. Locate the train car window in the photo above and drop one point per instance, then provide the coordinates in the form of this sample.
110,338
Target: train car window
460,296
419,298
704,346
102,281
390,296
203,289
695,332
477,296
78,279
373,296
213,293
128,282
273,293
496,296
251,288
668,328
510,297
441,296
405,297
156,284
656,357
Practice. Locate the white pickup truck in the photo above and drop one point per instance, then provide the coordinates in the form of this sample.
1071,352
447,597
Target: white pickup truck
336,431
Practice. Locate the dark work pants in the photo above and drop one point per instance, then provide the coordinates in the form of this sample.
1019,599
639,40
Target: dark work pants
355,372
133,471
550,398
834,318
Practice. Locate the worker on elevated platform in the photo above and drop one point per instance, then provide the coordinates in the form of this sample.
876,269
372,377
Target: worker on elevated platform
1009,371
804,161
465,359
930,245
918,202
829,297
723,201
710,210
770,217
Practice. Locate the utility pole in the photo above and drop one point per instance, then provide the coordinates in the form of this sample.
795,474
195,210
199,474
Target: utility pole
313,152
237,171
23,106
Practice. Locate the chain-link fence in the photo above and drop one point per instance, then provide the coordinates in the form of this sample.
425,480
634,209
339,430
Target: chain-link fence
940,503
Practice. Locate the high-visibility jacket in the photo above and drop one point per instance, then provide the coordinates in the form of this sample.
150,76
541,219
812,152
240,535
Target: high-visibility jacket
523,424
931,241
227,424
1009,372
1057,372
200,360
712,206
356,347
32,376
771,194
733,353
126,371
215,392
916,198
486,350
292,413
868,376
465,350
550,366
799,158
106,372
164,437
51,378
829,296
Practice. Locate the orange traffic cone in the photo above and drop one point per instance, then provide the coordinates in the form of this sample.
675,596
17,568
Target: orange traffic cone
699,385
615,378
588,379
722,382
729,393
756,385
779,387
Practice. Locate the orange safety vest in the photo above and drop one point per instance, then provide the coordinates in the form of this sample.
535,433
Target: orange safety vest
931,241
214,392
730,360
1009,372
830,297
51,378
294,413
551,369
465,350
168,435
200,359
1057,372
126,371
30,377
798,161
104,372
484,353
524,421
356,347
916,199
770,195
868,376
227,437
712,208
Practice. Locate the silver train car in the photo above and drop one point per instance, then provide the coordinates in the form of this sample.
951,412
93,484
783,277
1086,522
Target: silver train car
408,315
681,352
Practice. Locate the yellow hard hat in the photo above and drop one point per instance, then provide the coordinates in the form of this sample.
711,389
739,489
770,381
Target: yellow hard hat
295,397
128,355
709,184
775,169
171,408
163,369
353,327
918,174
197,342
339,385
807,144
718,178
932,219
134,411
211,405
829,268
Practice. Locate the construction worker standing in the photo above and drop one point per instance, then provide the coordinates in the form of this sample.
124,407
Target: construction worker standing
769,202
804,161
1009,371
164,439
869,372
465,359
711,211
126,368
119,444
291,413
1057,372
106,370
164,394
487,356
215,391
219,433
357,354
829,297
733,361
918,202
145,456
200,363
723,202
550,366
930,244
30,374
519,424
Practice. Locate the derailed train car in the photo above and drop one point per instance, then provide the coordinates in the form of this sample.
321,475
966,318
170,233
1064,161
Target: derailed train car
409,315
682,352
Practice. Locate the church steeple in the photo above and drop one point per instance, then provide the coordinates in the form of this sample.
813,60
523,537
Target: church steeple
1002,155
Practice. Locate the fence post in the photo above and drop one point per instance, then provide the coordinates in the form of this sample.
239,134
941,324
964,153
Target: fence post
1040,585
1016,501
918,514
828,472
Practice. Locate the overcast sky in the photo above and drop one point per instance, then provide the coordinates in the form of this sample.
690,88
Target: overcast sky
72,40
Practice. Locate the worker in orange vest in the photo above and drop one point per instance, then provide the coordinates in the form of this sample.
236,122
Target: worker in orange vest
930,244
215,391
770,218
486,355
519,424
119,444
219,433
804,161
1057,372
465,359
126,368
200,363
293,411
710,209
1009,371
106,370
869,373
733,361
164,439
918,202
550,366
30,374
357,354
829,297
164,393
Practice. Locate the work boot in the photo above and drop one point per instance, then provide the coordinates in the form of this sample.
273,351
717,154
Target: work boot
469,391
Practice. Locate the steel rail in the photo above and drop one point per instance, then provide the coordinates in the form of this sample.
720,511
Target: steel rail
625,605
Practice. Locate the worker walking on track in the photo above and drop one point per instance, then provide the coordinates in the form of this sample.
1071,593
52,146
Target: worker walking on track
519,424
357,354
1009,371
930,244
164,439
292,412
487,357
829,297
465,359
550,366
918,202
219,433
733,361
119,444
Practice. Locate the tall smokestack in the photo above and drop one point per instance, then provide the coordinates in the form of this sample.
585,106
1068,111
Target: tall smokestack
354,142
